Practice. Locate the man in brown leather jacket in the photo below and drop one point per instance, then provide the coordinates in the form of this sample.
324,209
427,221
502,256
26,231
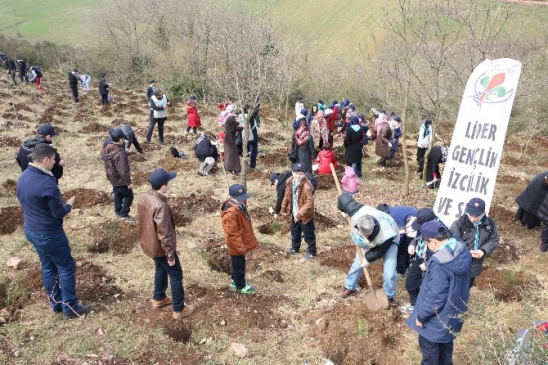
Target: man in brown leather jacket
119,175
299,200
158,241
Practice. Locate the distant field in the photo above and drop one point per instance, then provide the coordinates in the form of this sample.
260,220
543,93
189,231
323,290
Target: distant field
61,21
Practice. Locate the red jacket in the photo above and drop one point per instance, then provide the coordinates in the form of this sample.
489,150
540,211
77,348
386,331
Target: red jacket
326,157
192,114
330,120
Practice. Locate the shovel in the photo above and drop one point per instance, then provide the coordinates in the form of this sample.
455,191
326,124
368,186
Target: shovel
372,301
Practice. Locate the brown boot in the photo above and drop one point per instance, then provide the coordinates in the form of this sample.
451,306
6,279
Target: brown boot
187,311
347,292
392,303
157,304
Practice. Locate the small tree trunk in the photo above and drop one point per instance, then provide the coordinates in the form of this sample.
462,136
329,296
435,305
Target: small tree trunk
404,148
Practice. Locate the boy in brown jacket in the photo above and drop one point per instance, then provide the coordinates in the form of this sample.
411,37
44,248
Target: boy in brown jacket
158,241
299,197
239,236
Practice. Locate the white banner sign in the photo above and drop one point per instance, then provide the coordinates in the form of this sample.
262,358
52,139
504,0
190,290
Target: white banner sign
478,138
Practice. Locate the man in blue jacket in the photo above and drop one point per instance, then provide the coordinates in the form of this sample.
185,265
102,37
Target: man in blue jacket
444,294
43,213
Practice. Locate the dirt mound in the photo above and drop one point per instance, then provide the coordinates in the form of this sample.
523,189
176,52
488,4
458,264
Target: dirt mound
253,174
93,284
170,139
119,121
9,125
340,258
14,116
147,147
219,259
10,186
507,285
283,224
325,182
502,216
115,237
509,250
86,198
11,218
83,117
276,160
139,177
259,213
350,334
94,127
185,209
8,141
136,157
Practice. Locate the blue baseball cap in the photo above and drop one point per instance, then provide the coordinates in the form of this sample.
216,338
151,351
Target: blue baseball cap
298,167
423,215
47,130
238,192
432,229
161,177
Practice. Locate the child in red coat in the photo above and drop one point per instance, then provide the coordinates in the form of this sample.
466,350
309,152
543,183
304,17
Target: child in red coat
192,115
325,157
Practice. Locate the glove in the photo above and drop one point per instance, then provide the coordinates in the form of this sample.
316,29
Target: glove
364,263
389,144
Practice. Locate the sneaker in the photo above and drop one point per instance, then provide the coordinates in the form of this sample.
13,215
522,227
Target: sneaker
157,304
308,256
162,144
408,308
248,289
291,251
347,292
58,309
392,303
543,247
127,219
232,285
78,311
187,311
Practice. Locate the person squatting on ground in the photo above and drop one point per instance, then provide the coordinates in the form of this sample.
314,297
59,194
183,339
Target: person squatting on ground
35,75
404,218
350,181
84,82
193,118
376,234
423,143
442,302
45,135
204,148
478,232
130,138
159,242
299,200
158,104
73,84
326,157
43,213
279,182
239,236
533,207
104,90
119,175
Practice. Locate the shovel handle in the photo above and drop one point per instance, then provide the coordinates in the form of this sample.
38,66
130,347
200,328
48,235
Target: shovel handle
360,253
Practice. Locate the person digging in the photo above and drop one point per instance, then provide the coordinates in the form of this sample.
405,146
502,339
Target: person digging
377,236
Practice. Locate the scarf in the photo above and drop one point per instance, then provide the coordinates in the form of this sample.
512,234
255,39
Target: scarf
426,129
477,235
295,196
302,133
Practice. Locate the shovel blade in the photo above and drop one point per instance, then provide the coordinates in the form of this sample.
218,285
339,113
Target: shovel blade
376,300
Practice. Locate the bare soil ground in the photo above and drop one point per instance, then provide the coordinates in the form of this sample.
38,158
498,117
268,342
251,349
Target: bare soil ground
297,315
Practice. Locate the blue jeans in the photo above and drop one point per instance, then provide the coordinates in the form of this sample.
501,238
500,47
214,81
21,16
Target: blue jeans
58,268
389,272
175,274
123,197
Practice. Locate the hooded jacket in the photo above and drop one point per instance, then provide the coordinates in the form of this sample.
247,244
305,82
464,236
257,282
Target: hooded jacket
326,157
26,150
156,225
488,238
280,187
350,180
239,236
534,199
117,164
444,294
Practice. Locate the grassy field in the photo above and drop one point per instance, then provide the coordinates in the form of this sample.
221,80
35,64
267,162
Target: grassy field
61,21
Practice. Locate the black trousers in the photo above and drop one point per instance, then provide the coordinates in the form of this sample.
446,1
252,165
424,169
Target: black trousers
403,256
309,232
420,158
123,197
151,124
413,281
434,353
104,99
237,272
74,93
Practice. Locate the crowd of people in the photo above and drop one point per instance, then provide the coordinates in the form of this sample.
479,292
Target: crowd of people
439,263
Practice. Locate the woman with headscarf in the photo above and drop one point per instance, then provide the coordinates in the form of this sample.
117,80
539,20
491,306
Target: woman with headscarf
533,207
232,158
319,131
303,144
382,143
425,138
311,115
353,142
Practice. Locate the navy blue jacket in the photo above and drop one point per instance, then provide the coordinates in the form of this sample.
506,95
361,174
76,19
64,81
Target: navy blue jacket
26,149
204,149
444,294
38,194
401,214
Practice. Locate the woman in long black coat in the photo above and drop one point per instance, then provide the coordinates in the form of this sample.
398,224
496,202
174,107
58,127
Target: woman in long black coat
303,143
353,143
533,207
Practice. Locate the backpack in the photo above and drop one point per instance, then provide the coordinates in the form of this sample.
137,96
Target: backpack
206,166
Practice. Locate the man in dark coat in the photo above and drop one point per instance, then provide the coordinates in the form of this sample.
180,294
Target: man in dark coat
353,143
10,66
73,83
104,90
533,207
437,155
479,232
45,135
204,149
22,71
